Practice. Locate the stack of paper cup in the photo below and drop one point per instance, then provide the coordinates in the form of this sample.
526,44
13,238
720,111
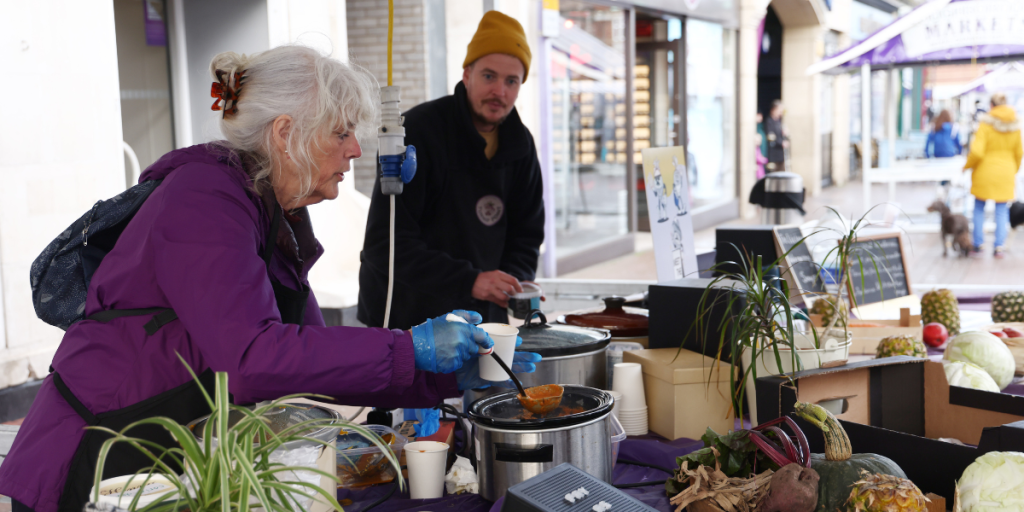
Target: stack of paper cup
629,380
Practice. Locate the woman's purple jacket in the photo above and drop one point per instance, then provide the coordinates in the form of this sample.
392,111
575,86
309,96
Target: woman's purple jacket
193,247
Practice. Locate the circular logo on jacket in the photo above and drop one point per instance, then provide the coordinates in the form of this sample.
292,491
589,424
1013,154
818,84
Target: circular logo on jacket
489,210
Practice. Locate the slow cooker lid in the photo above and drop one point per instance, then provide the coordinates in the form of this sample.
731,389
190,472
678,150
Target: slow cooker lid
553,340
579,405
621,321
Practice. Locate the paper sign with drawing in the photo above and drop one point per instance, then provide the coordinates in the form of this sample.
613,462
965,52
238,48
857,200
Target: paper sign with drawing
668,205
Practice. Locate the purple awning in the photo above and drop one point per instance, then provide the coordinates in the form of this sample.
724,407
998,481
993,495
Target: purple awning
1004,77
936,32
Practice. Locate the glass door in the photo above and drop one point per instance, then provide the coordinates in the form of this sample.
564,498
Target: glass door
658,105
143,73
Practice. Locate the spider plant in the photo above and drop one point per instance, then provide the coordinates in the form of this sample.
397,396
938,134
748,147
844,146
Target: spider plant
758,318
226,471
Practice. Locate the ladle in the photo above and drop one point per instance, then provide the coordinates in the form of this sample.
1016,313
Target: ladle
539,400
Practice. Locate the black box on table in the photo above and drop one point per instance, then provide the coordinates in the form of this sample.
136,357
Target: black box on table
899,407
673,310
744,241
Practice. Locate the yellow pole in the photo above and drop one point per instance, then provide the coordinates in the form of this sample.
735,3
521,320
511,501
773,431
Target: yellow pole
391,34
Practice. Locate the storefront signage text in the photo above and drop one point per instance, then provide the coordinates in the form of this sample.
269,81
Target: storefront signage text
968,23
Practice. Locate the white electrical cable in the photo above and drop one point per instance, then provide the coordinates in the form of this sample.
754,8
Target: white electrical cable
391,266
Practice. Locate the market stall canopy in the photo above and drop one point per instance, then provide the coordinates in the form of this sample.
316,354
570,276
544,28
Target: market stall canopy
1005,77
938,32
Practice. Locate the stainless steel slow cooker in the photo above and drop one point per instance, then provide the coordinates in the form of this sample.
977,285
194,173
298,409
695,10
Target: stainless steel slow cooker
512,445
571,355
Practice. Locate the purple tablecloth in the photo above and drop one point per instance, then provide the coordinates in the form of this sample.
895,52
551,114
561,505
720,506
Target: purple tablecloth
651,449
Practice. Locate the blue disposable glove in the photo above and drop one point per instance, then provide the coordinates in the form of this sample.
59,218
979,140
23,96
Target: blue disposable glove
441,346
468,377
429,421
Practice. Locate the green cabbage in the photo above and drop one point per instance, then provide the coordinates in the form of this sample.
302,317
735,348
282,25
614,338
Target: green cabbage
986,351
993,483
967,375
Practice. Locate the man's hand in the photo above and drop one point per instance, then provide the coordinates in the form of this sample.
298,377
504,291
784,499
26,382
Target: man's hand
495,286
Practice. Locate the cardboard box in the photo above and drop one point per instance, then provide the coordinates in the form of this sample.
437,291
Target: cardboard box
899,407
866,339
680,401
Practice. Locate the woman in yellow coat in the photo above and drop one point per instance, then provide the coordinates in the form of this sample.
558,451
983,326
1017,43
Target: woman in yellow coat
995,157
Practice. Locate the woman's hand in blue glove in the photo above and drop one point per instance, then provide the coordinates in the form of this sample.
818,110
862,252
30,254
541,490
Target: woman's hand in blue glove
468,376
441,346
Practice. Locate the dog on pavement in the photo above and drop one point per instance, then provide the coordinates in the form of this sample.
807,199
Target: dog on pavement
963,243
954,225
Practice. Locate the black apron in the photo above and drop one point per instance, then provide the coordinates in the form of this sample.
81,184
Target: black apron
181,404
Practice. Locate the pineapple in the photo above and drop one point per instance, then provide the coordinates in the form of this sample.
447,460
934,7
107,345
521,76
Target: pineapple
885,493
825,305
1008,307
941,306
903,345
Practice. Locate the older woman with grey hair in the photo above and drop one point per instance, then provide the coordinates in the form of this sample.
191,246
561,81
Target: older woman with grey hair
221,250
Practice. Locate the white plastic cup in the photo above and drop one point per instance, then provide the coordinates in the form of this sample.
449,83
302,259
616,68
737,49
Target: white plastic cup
520,304
504,337
629,380
616,397
426,461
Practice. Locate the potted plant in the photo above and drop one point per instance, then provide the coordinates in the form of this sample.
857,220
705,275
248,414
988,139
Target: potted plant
760,328
224,469
759,321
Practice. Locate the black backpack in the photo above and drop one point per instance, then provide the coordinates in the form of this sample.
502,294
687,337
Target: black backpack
60,275
1016,214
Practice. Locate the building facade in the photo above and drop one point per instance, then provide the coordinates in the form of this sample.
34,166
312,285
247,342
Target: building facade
608,78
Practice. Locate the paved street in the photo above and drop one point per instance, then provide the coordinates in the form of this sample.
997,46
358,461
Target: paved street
926,264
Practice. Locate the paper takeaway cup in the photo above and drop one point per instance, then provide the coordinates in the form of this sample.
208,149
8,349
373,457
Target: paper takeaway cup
426,462
629,380
504,337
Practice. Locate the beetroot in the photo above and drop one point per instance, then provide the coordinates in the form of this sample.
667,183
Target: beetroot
794,488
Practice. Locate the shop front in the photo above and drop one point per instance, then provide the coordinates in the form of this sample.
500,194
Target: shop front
617,76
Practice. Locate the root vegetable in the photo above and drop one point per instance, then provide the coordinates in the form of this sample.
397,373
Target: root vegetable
794,488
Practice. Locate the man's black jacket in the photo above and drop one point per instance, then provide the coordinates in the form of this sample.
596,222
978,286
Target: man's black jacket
461,215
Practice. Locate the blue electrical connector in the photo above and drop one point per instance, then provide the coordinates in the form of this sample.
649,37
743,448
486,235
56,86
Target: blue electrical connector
397,170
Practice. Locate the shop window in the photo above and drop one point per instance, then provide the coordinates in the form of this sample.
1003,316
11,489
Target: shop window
588,125
711,113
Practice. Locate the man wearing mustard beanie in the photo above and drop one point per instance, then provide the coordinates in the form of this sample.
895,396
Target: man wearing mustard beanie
468,228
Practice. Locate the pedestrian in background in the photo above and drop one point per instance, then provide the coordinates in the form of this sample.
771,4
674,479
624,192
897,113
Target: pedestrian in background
763,139
776,135
995,156
944,139
760,159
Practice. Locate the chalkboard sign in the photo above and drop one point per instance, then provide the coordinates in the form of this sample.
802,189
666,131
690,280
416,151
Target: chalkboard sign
798,268
879,269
